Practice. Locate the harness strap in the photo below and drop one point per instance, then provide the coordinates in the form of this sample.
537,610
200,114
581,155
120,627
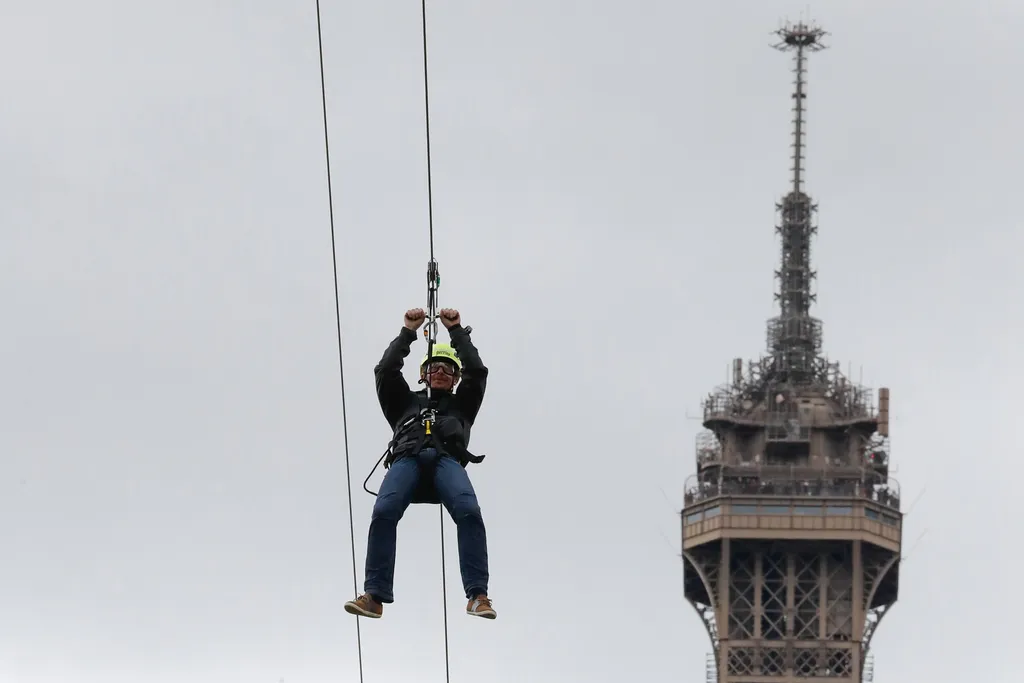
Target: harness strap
461,454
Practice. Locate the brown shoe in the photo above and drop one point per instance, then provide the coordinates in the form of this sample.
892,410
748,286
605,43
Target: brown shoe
365,606
480,606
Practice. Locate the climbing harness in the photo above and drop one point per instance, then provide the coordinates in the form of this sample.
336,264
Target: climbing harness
427,416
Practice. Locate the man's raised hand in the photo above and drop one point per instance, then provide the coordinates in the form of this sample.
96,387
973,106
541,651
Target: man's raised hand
450,317
414,317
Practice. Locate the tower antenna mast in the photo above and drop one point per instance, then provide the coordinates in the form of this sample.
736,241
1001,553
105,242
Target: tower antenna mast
794,336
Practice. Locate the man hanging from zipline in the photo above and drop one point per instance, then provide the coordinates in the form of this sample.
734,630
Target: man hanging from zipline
427,458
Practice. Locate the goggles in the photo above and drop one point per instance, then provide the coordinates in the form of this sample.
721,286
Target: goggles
442,367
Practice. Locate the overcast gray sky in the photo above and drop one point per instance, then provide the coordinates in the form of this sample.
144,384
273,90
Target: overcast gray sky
173,502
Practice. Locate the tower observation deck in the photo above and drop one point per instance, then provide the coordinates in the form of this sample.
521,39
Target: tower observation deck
791,526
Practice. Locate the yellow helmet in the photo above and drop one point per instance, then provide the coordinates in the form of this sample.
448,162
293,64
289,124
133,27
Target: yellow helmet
443,352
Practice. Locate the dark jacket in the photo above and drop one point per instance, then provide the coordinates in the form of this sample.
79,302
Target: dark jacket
456,411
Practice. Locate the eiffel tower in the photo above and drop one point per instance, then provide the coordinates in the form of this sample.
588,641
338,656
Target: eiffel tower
791,526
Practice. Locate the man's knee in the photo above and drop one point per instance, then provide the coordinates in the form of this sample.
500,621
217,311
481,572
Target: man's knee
457,491
388,507
466,506
395,491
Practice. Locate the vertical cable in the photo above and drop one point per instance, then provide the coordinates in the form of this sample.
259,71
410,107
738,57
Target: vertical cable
337,315
430,224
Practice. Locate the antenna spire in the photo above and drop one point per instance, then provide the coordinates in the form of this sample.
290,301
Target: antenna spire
799,37
794,337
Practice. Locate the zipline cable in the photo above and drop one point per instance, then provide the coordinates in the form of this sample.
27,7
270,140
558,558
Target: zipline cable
433,281
444,598
426,118
431,301
337,315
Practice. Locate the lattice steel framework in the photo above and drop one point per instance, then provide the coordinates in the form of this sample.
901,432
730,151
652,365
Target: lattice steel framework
795,610
792,528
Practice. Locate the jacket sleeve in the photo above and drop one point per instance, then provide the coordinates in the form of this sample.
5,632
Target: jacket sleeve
474,373
393,391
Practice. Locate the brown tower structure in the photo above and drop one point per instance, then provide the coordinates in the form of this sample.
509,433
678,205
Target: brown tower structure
791,525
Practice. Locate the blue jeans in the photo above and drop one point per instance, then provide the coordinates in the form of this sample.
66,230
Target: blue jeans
456,494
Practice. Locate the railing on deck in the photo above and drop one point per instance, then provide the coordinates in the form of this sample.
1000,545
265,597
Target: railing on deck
886,494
